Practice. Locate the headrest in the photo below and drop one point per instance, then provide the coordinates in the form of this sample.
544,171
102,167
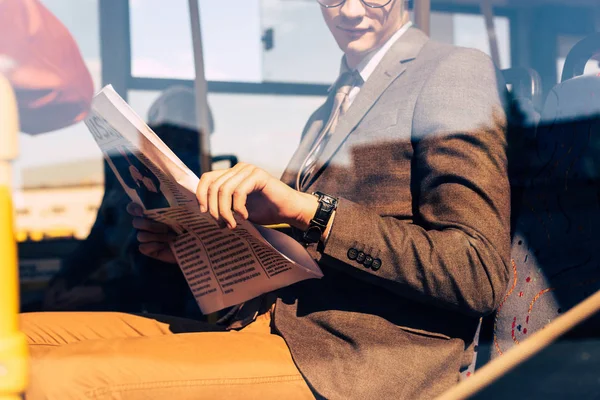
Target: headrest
176,106
568,137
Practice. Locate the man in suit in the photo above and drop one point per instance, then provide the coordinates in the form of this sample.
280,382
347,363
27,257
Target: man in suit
409,222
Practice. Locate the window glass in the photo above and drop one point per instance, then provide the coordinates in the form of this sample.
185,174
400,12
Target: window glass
304,51
265,131
161,42
62,169
468,30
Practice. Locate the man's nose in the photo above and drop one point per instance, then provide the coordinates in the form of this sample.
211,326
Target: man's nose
353,9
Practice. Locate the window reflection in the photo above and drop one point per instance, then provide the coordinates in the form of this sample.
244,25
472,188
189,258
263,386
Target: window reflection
468,30
63,167
265,131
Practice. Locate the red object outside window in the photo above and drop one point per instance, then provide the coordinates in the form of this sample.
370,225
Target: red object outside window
41,60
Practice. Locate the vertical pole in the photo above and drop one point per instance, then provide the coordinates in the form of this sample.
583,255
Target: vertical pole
488,14
423,15
115,54
201,88
520,37
115,44
544,53
13,345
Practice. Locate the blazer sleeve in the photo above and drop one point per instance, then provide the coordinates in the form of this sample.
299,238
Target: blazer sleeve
455,252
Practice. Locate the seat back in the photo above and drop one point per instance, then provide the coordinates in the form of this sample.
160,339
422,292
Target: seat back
525,87
556,197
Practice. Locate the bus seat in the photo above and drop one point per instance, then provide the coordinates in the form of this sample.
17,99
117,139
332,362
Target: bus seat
556,235
524,85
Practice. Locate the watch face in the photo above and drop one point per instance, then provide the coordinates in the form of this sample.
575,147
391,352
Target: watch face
313,234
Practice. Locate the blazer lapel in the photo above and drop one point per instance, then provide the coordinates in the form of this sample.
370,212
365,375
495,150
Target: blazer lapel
393,64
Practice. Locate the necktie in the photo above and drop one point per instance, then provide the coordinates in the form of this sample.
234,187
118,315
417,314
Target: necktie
339,107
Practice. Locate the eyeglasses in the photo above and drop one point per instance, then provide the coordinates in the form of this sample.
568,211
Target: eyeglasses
368,3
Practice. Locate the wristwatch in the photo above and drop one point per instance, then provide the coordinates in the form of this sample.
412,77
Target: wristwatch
318,224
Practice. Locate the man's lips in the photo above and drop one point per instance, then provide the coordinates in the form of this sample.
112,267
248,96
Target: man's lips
354,32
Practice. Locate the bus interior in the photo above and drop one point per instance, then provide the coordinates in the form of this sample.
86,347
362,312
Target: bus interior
222,82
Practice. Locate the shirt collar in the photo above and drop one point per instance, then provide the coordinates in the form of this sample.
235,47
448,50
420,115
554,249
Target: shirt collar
368,64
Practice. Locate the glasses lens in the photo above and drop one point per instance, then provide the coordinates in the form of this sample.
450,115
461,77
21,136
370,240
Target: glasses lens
330,3
377,3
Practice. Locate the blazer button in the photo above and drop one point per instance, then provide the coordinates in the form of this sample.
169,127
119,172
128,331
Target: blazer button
376,264
368,261
352,254
360,258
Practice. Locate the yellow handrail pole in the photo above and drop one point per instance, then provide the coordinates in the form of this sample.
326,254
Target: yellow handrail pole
13,345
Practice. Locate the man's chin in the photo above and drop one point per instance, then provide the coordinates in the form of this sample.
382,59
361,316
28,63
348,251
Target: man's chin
358,49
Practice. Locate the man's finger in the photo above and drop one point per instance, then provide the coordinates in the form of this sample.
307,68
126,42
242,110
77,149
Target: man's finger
157,250
146,237
135,210
65,300
227,191
201,191
145,224
214,190
248,186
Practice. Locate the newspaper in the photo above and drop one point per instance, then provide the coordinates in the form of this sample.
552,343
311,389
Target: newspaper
223,267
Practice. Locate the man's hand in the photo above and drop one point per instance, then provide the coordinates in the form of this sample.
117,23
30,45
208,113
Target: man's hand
59,298
244,189
154,237
80,296
255,196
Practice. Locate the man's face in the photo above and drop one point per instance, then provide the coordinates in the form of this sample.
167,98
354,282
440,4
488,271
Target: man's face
359,29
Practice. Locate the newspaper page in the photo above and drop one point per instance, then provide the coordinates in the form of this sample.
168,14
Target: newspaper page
223,267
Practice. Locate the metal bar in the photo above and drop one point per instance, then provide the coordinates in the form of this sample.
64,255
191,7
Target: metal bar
422,11
13,344
115,44
266,88
200,84
500,10
495,369
520,38
115,55
488,14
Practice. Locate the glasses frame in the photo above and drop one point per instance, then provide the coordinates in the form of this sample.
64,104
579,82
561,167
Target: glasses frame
362,1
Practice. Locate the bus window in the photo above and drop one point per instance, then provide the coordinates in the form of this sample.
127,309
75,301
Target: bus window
266,132
298,30
161,44
468,30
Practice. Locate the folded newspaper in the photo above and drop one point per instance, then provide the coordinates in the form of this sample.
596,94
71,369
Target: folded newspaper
223,267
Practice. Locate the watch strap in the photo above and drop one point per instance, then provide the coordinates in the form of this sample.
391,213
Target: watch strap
318,224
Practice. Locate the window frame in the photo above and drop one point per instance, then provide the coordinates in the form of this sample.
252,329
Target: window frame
116,55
